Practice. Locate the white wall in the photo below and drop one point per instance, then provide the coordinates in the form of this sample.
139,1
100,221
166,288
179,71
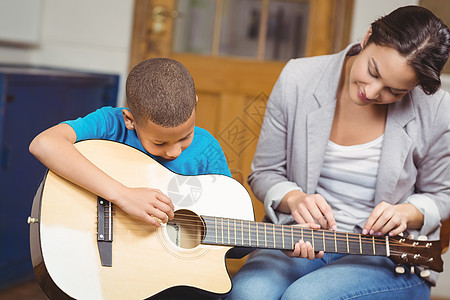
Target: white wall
81,35
367,11
20,20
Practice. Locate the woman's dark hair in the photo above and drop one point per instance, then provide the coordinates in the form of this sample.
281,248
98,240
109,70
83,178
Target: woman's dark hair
418,35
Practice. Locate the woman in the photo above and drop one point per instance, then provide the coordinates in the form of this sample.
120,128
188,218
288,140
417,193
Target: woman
357,142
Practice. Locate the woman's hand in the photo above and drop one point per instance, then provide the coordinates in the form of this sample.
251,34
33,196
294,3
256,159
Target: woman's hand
307,208
393,219
304,249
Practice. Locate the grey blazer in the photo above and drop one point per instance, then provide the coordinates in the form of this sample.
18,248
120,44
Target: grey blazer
415,158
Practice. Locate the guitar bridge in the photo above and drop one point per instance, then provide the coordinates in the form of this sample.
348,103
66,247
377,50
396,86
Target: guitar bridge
105,231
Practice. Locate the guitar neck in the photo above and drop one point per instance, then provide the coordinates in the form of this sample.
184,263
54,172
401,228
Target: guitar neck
243,233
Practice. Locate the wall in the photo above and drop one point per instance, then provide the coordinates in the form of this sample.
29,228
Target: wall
365,12
81,35
19,21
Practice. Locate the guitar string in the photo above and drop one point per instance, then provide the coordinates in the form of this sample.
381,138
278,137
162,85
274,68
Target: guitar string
352,237
354,245
197,241
278,228
308,233
197,222
353,242
195,238
327,235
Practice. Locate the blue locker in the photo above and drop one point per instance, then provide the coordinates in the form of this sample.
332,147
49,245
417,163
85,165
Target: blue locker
32,100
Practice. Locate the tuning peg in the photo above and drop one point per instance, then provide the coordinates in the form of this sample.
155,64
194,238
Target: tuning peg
422,238
425,273
412,270
401,234
411,237
399,270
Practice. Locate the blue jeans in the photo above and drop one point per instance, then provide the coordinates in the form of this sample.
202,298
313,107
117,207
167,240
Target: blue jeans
270,274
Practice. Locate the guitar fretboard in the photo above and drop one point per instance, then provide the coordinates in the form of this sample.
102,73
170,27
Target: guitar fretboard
242,233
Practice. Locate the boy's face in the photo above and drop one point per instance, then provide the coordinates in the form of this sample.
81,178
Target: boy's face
165,142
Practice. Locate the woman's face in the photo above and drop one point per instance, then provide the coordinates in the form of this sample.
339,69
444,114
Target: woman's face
380,75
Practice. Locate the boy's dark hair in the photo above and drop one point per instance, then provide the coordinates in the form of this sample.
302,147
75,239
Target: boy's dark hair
161,90
418,35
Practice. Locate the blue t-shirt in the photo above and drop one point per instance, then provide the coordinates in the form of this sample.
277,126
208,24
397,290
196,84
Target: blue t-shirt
203,156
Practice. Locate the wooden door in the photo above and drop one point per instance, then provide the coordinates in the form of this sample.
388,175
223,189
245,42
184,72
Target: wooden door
233,87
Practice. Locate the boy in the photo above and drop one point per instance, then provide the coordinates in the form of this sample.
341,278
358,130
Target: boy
160,121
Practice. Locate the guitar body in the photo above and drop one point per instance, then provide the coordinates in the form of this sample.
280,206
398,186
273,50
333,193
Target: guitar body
145,260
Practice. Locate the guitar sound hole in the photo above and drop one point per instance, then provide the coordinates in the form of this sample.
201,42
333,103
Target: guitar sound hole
186,230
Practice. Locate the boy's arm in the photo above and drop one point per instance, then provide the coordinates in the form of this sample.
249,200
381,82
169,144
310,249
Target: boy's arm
55,149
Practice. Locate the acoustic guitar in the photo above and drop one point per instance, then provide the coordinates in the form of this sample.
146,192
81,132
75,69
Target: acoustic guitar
84,247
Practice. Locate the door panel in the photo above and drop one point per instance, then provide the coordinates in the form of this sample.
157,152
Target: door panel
232,97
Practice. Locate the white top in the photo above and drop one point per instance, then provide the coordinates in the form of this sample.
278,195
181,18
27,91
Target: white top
347,181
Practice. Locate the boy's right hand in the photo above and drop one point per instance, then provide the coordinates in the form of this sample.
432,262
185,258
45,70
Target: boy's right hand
147,204
55,149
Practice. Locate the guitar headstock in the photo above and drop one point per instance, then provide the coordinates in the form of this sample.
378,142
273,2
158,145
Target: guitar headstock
426,254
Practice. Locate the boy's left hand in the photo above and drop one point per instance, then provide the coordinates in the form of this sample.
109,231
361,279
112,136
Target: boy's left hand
305,249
